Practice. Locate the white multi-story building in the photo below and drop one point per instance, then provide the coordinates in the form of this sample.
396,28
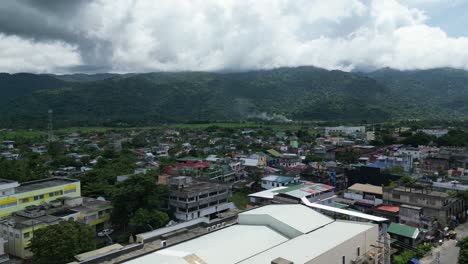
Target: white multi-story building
345,130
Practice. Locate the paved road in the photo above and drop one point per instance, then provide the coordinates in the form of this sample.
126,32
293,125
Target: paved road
448,251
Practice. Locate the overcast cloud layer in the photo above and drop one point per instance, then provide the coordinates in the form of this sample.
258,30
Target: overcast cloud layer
171,35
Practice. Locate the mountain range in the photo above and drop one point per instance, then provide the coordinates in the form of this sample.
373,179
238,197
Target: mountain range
300,93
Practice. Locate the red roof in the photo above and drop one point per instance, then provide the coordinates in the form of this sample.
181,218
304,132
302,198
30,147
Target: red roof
197,165
389,208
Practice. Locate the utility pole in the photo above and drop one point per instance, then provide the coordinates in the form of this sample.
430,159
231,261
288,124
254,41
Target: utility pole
386,246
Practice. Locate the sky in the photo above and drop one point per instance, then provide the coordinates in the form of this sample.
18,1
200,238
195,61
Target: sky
56,36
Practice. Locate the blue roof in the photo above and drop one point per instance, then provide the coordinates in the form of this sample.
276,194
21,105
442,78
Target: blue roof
414,261
276,178
379,165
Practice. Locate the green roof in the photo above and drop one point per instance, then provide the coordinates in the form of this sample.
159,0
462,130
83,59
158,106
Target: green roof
274,153
294,143
403,230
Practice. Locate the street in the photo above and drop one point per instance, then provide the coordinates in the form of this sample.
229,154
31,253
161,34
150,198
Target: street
448,251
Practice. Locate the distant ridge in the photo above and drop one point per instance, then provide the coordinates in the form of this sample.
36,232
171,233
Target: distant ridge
300,93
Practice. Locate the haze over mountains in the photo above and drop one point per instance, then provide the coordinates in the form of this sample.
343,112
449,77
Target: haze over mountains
301,93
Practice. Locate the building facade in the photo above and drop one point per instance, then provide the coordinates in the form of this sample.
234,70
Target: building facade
15,197
443,207
193,199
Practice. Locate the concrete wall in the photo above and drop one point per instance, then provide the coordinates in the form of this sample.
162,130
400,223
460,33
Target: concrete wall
349,248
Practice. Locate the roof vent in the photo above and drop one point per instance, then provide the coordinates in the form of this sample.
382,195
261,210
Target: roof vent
281,261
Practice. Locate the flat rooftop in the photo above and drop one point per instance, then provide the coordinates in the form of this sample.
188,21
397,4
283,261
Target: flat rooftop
277,178
368,188
305,189
422,191
43,184
199,186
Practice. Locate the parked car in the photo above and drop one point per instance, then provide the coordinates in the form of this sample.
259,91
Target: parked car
105,232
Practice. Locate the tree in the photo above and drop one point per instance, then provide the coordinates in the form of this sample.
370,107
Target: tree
61,242
240,200
54,148
312,158
348,156
463,255
140,191
144,218
419,138
404,257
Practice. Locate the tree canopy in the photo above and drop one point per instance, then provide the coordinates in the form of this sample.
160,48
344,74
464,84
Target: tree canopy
138,200
61,242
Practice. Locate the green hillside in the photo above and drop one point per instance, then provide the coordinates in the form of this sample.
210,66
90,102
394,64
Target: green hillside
302,93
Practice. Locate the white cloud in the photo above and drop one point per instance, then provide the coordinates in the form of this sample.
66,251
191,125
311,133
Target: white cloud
21,55
150,35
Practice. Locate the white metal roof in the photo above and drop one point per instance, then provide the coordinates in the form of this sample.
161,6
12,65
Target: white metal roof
343,211
268,194
250,162
309,246
228,245
296,216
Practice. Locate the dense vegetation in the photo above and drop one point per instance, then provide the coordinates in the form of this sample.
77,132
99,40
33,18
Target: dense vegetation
302,93
463,255
61,242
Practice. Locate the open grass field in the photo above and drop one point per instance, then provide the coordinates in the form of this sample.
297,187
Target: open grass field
11,134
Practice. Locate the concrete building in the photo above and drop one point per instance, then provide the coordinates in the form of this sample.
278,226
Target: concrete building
15,196
365,195
293,194
345,130
19,228
441,206
273,181
437,132
275,234
192,199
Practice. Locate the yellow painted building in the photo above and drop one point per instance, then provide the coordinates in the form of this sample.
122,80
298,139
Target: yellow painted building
15,197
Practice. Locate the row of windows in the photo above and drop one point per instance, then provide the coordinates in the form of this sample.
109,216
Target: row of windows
41,196
10,204
70,191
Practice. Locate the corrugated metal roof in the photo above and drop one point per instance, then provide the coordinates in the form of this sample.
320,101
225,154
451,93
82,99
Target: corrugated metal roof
403,230
368,188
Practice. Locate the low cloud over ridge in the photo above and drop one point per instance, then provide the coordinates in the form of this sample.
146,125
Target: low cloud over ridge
211,35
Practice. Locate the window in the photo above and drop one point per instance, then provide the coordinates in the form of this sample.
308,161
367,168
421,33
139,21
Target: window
41,196
51,194
344,260
358,251
396,196
26,235
25,200
36,198
16,235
